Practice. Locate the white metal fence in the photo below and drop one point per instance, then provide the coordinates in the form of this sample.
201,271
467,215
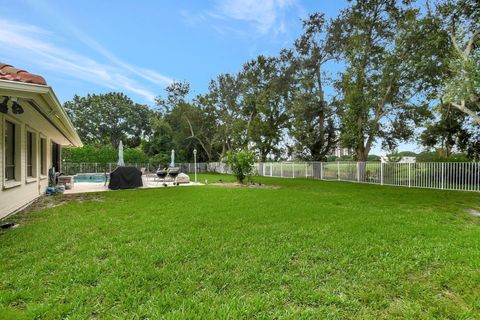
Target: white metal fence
434,175
70,168
202,167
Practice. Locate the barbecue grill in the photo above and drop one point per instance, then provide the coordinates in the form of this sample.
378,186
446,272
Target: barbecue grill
173,173
162,174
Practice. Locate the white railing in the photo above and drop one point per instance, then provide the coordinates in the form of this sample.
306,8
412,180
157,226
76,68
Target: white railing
70,168
433,175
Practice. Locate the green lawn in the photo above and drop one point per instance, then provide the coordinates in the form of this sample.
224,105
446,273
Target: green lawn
309,249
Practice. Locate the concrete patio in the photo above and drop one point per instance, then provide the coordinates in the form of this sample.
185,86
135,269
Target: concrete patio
148,182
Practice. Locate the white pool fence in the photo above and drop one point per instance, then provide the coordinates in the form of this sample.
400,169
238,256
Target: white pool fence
434,175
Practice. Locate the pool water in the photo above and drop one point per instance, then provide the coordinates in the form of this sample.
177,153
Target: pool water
89,177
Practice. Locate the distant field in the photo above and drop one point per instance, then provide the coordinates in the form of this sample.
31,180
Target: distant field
308,249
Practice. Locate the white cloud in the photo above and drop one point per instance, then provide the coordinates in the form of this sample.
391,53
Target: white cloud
37,45
144,73
193,18
266,16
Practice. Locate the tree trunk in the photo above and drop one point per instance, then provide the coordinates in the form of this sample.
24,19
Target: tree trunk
362,152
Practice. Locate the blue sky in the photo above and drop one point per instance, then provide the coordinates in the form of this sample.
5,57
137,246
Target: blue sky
139,47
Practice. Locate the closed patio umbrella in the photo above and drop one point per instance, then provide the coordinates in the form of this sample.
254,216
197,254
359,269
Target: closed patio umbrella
172,162
120,162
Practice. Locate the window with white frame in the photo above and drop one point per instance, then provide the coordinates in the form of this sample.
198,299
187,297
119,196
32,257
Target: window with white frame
31,153
10,151
43,156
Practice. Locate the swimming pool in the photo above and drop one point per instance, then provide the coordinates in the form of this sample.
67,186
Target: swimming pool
90,177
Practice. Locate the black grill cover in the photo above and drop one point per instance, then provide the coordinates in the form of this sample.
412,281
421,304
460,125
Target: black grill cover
125,178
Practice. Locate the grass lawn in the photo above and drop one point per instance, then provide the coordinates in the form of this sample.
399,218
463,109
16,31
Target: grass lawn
309,249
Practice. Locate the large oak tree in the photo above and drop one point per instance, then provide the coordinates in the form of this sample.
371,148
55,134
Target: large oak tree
103,119
313,120
380,87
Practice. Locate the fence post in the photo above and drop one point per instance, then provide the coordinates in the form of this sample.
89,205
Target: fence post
81,171
321,170
281,169
293,169
338,170
443,174
306,173
381,173
271,170
409,175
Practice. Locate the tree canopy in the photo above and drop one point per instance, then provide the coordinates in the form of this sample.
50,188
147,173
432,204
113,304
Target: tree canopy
108,118
382,72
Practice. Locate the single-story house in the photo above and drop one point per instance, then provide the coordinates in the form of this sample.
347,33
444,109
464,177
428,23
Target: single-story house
33,129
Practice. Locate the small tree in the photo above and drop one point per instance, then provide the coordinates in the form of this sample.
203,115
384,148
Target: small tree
241,163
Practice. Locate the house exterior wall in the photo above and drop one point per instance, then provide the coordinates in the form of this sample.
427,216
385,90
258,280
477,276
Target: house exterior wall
16,194
45,118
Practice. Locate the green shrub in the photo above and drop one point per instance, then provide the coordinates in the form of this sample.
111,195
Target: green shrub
241,163
90,154
161,160
102,155
134,155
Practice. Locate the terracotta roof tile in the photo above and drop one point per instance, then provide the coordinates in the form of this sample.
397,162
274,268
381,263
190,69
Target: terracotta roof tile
7,72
